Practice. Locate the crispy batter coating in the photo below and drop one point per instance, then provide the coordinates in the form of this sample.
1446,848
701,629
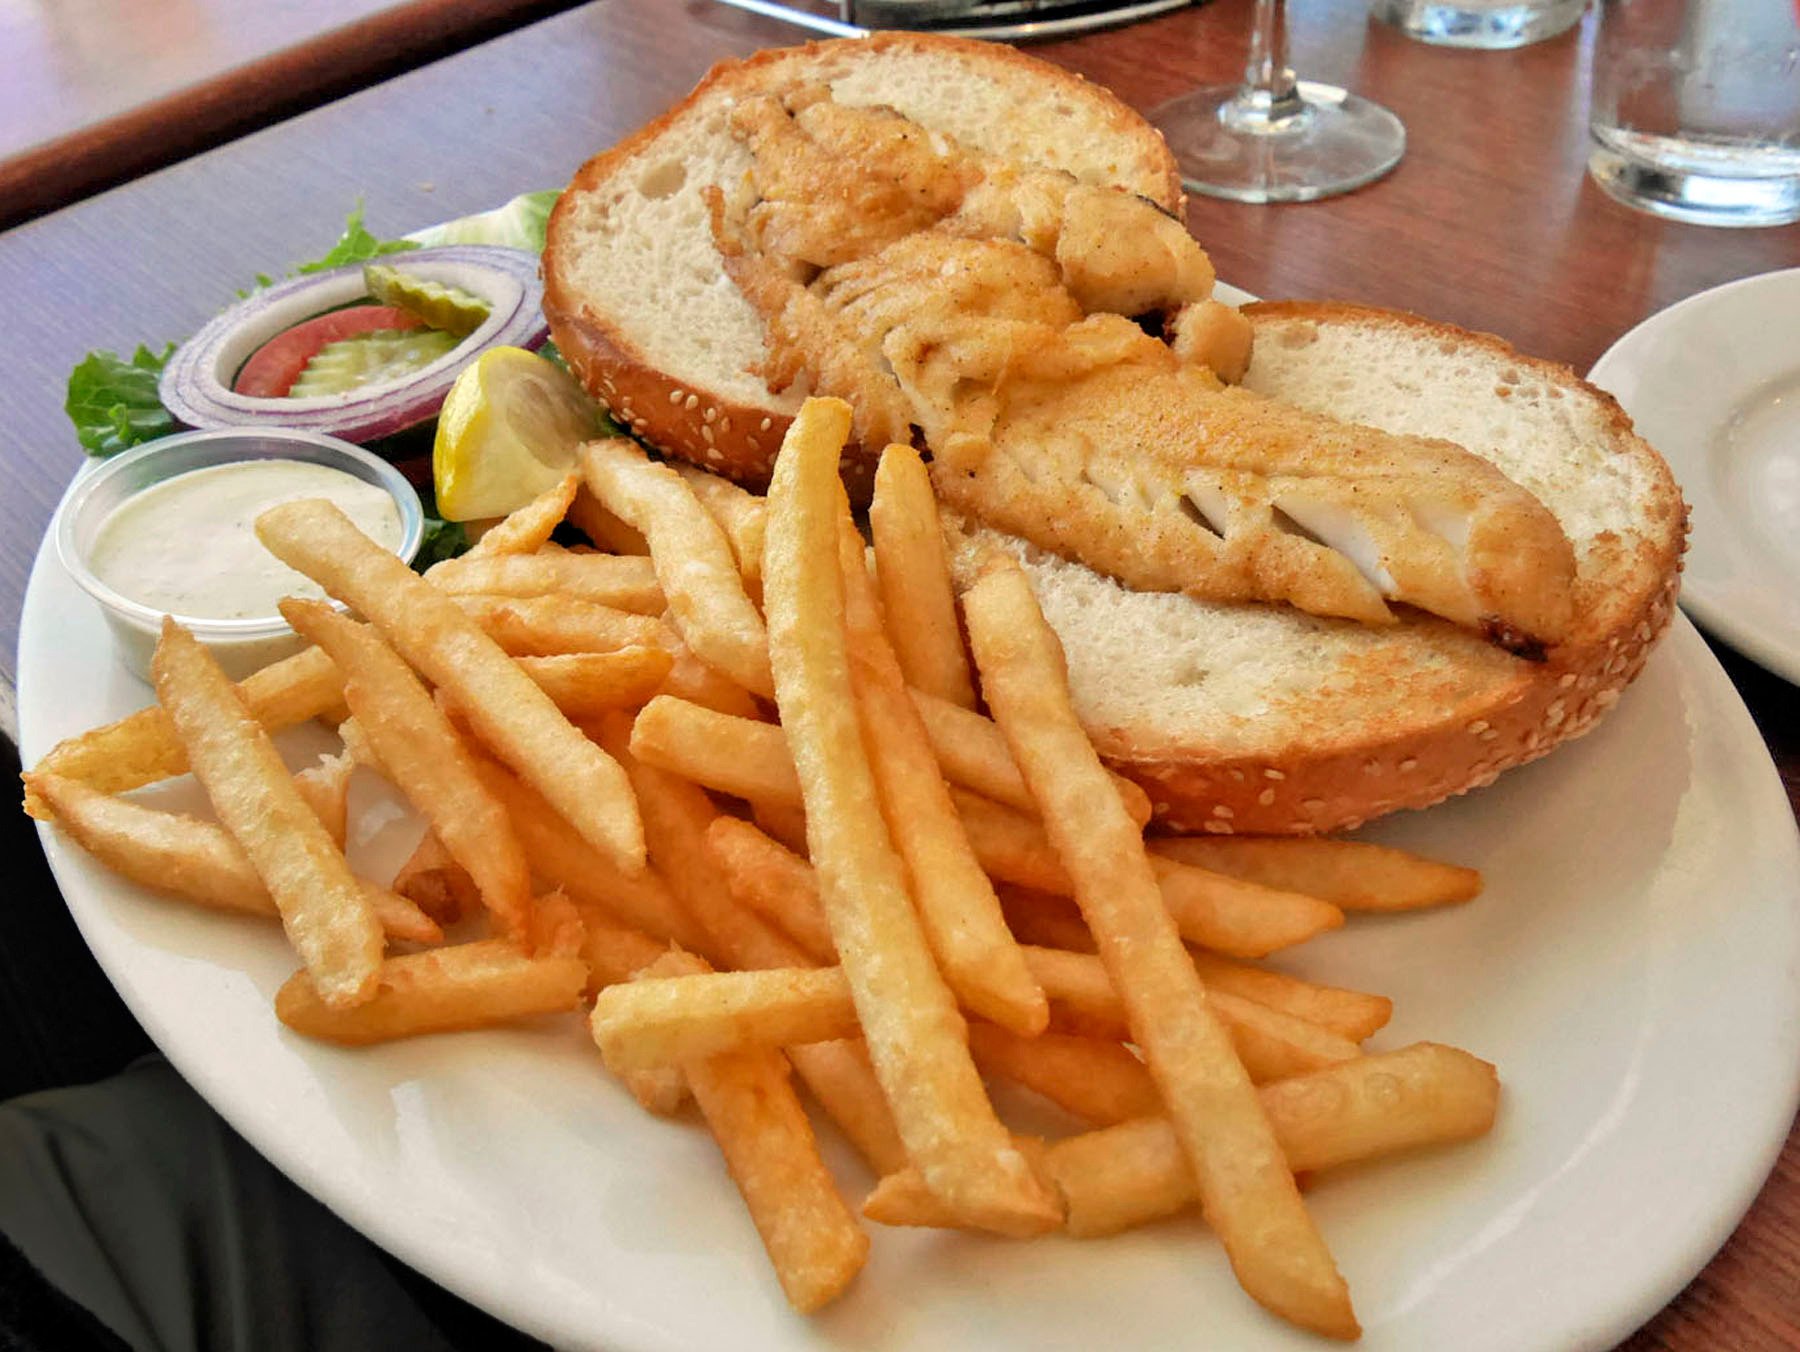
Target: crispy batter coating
992,309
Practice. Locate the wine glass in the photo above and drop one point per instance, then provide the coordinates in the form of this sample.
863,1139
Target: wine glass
1274,138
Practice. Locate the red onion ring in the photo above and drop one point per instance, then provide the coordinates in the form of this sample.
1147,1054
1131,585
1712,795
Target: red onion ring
196,384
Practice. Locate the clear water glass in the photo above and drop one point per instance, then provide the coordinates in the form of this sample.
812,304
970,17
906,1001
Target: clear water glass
1696,109
1485,24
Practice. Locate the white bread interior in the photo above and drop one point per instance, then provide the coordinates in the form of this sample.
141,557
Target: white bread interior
636,293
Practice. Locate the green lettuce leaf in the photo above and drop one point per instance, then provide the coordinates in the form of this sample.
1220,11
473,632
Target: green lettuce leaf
518,224
113,401
355,245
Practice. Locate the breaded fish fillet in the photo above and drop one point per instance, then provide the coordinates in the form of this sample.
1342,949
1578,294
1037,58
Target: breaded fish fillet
991,309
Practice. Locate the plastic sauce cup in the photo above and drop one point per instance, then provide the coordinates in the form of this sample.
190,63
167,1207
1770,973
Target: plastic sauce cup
241,645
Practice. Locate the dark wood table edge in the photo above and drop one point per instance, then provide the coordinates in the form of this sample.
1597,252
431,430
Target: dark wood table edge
64,170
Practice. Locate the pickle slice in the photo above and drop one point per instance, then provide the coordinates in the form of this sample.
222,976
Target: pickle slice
370,359
449,308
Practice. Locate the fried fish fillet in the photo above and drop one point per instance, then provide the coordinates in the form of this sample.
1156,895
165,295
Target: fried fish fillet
991,309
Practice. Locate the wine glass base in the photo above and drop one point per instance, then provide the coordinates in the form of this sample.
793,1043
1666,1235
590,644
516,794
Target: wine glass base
1228,147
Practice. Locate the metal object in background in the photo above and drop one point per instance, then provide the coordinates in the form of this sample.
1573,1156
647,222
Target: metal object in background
1011,20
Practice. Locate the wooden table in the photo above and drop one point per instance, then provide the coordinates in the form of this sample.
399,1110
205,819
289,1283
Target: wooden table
1489,222
99,91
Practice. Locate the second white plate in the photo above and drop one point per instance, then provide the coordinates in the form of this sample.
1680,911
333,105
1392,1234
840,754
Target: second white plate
1714,384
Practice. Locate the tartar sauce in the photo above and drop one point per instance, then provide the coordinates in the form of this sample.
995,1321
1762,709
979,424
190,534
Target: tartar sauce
188,545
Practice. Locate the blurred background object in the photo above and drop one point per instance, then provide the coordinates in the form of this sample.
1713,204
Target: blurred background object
1486,24
1013,20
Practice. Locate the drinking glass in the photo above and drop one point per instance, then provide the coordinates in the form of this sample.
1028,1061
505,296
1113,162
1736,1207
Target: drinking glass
1274,138
1696,111
1484,24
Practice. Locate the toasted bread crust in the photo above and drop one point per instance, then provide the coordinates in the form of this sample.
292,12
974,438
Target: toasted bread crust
694,423
1338,782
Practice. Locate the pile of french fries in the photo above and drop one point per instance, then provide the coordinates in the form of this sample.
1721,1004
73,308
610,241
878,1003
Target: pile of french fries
723,778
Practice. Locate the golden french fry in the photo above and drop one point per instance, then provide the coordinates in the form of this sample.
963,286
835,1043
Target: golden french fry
326,787
692,680
619,581
559,856
914,573
1364,1109
672,1020
424,758
973,753
738,753
740,756
603,528
506,709
443,989
811,1237
1237,918
327,917
676,817
915,1035
1054,922
740,514
613,952
770,879
1097,1080
142,748
544,626
555,928
1243,1178
1351,874
527,530
198,861
693,559
440,886
976,953
1136,1172
583,685
1349,1014
1269,1042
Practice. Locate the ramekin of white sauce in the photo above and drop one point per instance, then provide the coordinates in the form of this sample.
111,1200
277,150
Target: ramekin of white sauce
168,528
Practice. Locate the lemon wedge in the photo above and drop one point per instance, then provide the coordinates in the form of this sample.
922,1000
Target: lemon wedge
509,430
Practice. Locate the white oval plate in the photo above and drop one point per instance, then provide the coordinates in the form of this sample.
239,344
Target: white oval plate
1633,968
1714,384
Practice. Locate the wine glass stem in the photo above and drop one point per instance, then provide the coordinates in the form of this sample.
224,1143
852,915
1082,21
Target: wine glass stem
1270,100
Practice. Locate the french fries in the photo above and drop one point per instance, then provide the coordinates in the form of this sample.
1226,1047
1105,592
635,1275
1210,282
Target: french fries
1244,1180
914,575
1240,919
327,917
558,717
693,559
620,581
812,1239
915,1036
143,748
667,1021
976,953
1351,874
425,758
526,530
197,861
546,626
511,715
1136,1172
443,989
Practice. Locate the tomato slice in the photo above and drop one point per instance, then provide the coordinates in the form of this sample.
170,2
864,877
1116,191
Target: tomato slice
276,365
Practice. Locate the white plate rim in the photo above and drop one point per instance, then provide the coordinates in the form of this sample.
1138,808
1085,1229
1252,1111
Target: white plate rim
1776,650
